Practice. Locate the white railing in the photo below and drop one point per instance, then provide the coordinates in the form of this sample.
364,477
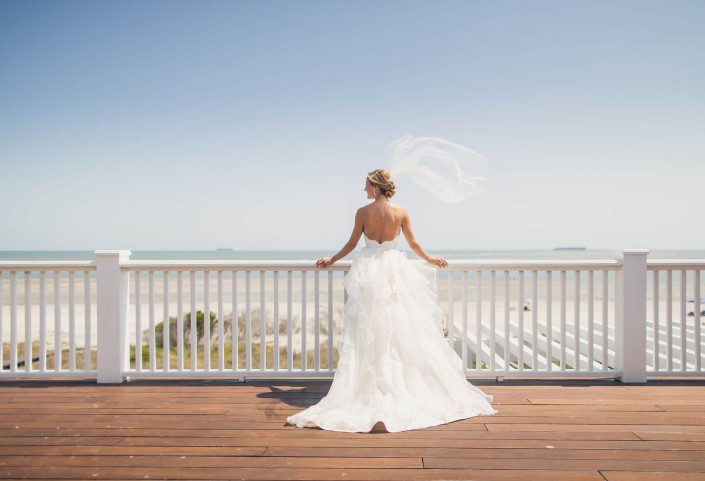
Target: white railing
46,345
535,319
265,318
675,316
247,319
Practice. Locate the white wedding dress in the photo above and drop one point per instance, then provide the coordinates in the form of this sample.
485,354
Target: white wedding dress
395,365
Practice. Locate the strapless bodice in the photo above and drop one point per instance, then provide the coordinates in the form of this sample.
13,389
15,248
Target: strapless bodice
373,243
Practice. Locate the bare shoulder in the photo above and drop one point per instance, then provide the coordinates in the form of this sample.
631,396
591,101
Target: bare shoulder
400,211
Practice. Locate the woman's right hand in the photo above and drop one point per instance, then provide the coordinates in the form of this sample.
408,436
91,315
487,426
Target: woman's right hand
438,261
324,262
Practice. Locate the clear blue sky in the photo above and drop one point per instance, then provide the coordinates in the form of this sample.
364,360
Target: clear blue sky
204,124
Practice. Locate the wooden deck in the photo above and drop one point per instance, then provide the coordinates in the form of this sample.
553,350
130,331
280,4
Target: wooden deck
545,430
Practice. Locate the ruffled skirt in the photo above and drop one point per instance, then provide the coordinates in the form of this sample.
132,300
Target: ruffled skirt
395,365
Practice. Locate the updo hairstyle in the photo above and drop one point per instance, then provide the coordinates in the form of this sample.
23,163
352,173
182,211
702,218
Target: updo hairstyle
382,179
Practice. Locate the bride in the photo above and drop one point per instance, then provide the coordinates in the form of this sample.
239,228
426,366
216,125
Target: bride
395,367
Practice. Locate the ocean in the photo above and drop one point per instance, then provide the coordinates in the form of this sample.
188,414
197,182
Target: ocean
231,254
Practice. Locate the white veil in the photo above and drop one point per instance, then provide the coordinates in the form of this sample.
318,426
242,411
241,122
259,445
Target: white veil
449,171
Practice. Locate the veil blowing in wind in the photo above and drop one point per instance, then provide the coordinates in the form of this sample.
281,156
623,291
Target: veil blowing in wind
447,170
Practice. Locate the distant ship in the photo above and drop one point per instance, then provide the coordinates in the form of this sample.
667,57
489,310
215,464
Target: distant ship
577,248
229,249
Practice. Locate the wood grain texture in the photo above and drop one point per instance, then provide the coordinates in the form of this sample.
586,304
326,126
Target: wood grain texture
583,430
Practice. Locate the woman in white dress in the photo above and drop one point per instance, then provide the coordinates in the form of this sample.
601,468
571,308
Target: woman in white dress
395,367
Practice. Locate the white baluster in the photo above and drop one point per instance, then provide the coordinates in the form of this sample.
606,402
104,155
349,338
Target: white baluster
42,322
563,320
180,321
194,322
262,325
534,320
28,321
316,320
591,321
166,334
221,325
576,322
507,330
520,315
657,326
235,324
683,321
248,323
549,319
72,321
478,322
605,320
669,319
303,321
206,320
493,327
87,342
330,320
698,340
275,320
451,308
464,335
138,321
289,323
13,321
152,326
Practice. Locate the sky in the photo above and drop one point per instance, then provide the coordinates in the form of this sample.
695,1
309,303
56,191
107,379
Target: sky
252,124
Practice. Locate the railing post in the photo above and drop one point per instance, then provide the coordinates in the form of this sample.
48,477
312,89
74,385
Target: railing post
113,289
631,317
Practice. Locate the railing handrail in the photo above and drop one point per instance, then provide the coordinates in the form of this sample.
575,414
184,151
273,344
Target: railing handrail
46,265
658,264
512,264
191,265
309,264
530,265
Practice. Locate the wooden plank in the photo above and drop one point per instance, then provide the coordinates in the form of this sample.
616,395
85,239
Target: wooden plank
696,408
599,427
655,418
262,423
651,436
698,401
410,443
185,462
547,452
565,464
514,409
213,432
642,476
289,473
43,450
61,441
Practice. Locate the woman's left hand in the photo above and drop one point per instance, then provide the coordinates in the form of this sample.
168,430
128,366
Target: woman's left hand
438,261
324,262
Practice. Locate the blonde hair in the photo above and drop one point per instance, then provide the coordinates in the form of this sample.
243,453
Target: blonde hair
382,179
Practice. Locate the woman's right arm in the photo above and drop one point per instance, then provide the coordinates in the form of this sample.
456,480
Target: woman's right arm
348,247
415,246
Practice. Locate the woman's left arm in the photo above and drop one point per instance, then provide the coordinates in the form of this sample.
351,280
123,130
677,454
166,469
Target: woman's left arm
348,247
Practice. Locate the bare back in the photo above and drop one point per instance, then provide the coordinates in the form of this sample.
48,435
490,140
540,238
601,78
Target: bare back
382,221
